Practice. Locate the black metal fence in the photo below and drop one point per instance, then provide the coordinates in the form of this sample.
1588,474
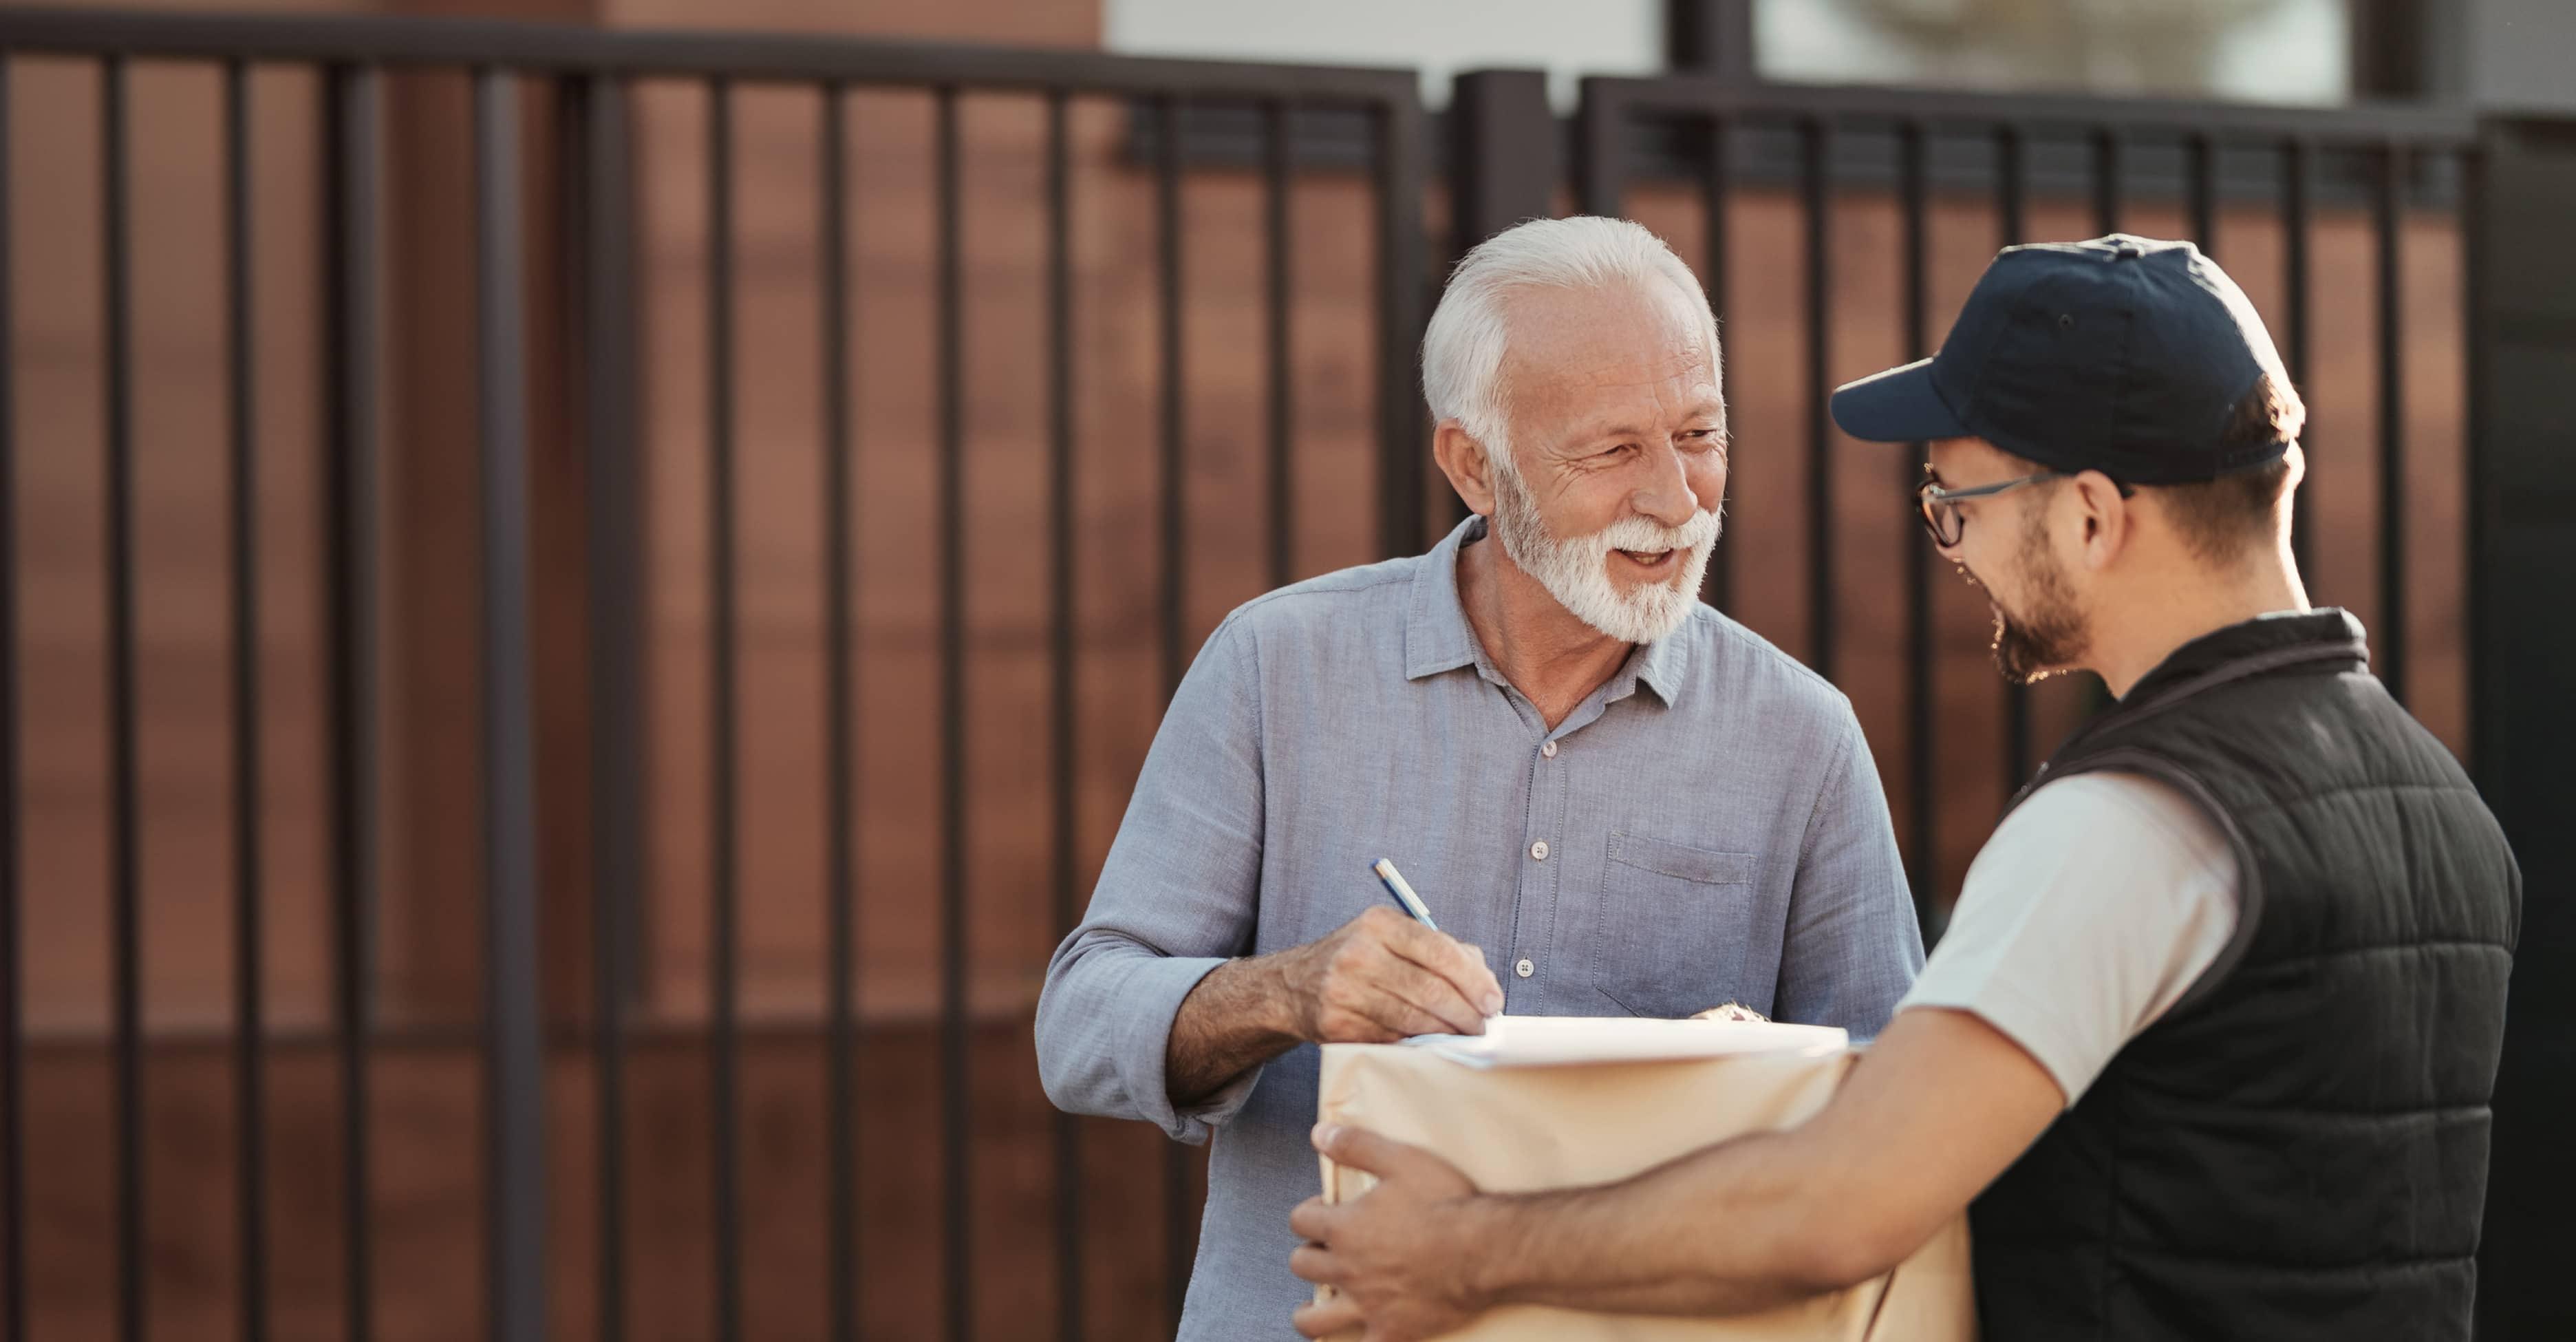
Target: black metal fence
590,72
1714,142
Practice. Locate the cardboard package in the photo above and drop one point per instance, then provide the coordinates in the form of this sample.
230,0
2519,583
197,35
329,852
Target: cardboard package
1517,1128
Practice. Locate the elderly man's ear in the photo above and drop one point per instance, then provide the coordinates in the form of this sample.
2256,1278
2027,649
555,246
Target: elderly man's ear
1463,460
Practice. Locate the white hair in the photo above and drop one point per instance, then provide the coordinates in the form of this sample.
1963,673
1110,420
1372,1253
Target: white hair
1464,345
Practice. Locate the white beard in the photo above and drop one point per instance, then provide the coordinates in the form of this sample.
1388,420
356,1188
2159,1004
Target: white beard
1576,571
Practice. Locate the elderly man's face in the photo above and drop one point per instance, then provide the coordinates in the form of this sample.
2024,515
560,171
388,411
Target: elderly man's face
1616,432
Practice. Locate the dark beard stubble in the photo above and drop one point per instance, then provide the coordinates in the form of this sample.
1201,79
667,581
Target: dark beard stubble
2035,644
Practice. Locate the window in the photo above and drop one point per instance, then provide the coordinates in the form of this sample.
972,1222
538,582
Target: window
2279,51
1442,37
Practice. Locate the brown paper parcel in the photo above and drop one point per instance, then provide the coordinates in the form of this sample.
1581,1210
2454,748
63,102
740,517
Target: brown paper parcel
1513,1129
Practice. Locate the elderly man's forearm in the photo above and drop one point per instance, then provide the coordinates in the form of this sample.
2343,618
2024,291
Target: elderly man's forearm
1234,1020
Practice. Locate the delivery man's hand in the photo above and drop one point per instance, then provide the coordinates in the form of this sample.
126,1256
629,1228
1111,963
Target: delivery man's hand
1392,1254
1382,976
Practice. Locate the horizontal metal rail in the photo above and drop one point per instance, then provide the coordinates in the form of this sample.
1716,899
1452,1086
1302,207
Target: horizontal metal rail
2358,124
681,53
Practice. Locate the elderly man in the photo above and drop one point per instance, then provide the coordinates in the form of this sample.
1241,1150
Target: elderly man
2207,1051
1633,804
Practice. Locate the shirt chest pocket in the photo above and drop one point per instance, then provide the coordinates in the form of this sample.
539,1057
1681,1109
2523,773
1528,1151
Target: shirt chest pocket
1675,927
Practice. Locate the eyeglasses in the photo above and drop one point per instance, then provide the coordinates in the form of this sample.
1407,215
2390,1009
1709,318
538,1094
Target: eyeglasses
1940,507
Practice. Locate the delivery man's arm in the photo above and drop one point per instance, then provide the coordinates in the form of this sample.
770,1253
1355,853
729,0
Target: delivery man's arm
1937,1108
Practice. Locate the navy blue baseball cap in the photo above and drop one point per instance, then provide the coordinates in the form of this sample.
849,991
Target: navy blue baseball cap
2122,355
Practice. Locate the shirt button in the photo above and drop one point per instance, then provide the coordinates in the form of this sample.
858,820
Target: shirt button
1524,969
1547,748
1538,850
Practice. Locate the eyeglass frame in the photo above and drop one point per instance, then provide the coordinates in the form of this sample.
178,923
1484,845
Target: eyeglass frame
1932,494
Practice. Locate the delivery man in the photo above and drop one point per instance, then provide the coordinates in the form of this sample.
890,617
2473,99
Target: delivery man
2207,1050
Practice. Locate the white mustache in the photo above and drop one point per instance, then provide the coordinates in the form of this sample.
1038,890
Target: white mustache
1646,536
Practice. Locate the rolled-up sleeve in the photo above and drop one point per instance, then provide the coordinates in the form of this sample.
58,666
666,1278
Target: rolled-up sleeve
1853,946
1178,896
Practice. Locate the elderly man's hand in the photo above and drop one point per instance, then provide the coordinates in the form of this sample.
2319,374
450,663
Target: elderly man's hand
1399,1255
1382,976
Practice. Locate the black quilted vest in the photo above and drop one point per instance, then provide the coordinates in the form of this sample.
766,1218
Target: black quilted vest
2299,1148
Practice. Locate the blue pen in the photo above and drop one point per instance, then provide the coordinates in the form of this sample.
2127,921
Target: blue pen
1393,880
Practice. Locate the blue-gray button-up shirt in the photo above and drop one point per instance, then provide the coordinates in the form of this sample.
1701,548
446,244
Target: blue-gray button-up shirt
1713,830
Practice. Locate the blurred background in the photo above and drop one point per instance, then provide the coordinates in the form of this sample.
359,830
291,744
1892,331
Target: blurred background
586,580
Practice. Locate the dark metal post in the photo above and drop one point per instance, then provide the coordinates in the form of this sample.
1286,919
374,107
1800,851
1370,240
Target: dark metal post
1921,776
1401,286
349,348
1063,781
1711,37
1816,194
125,836
250,1136
2200,190
956,1182
840,731
13,1070
2298,169
1717,190
2522,546
1504,153
2107,180
1180,1219
1278,302
1601,149
2388,641
723,1029
2012,221
514,1057
602,264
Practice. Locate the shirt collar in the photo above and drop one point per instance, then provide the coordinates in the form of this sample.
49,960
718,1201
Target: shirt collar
1438,638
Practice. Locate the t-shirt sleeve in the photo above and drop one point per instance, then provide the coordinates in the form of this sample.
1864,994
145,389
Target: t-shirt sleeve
2093,909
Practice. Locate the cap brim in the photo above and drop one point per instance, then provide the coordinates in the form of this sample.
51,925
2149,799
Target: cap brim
1897,406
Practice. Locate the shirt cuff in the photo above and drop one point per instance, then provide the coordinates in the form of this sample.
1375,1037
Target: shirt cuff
1155,991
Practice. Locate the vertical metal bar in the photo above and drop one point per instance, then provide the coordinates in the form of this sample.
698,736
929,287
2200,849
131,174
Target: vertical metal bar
124,817
1276,167
514,1062
2012,191
2298,171
13,1062
1921,832
724,919
1717,188
1816,195
2200,190
1061,705
2107,186
2106,180
250,1122
2476,589
1401,282
1710,37
2012,220
955,1096
2389,222
604,262
1179,1223
841,857
1601,149
1504,164
349,349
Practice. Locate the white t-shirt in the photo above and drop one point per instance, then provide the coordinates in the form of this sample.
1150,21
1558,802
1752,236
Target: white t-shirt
2092,910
